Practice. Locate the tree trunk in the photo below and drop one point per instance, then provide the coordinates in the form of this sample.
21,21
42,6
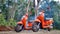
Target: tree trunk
12,11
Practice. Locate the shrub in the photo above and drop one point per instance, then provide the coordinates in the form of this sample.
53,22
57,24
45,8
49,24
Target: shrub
11,22
3,22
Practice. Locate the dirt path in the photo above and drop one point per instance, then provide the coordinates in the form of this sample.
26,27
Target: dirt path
31,32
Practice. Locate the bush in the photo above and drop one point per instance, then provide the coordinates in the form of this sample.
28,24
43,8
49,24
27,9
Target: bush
57,25
11,22
56,21
3,22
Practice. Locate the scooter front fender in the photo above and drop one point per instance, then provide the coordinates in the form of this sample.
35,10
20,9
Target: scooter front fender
19,22
37,20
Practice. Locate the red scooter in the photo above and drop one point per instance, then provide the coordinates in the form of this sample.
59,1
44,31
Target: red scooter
41,22
23,24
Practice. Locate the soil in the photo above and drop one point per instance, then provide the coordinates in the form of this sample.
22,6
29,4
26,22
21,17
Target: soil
6,28
31,32
10,30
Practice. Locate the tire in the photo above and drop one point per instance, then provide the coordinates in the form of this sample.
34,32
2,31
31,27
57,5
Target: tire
19,28
40,26
35,27
49,29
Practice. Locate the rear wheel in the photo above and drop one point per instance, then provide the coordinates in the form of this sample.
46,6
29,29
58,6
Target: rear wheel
18,28
35,27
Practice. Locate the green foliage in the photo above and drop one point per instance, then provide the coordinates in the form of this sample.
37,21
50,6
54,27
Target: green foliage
32,10
56,16
21,10
2,20
11,21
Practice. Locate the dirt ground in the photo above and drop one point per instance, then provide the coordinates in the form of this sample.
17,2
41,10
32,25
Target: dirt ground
31,32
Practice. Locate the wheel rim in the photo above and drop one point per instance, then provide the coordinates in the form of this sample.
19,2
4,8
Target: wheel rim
35,27
19,27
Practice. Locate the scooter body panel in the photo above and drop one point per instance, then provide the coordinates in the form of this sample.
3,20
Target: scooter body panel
24,21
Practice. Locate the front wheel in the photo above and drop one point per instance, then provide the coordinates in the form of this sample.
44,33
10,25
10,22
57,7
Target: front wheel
35,27
50,28
18,28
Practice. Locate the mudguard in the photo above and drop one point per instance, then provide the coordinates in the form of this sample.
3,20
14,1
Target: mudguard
19,22
37,20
